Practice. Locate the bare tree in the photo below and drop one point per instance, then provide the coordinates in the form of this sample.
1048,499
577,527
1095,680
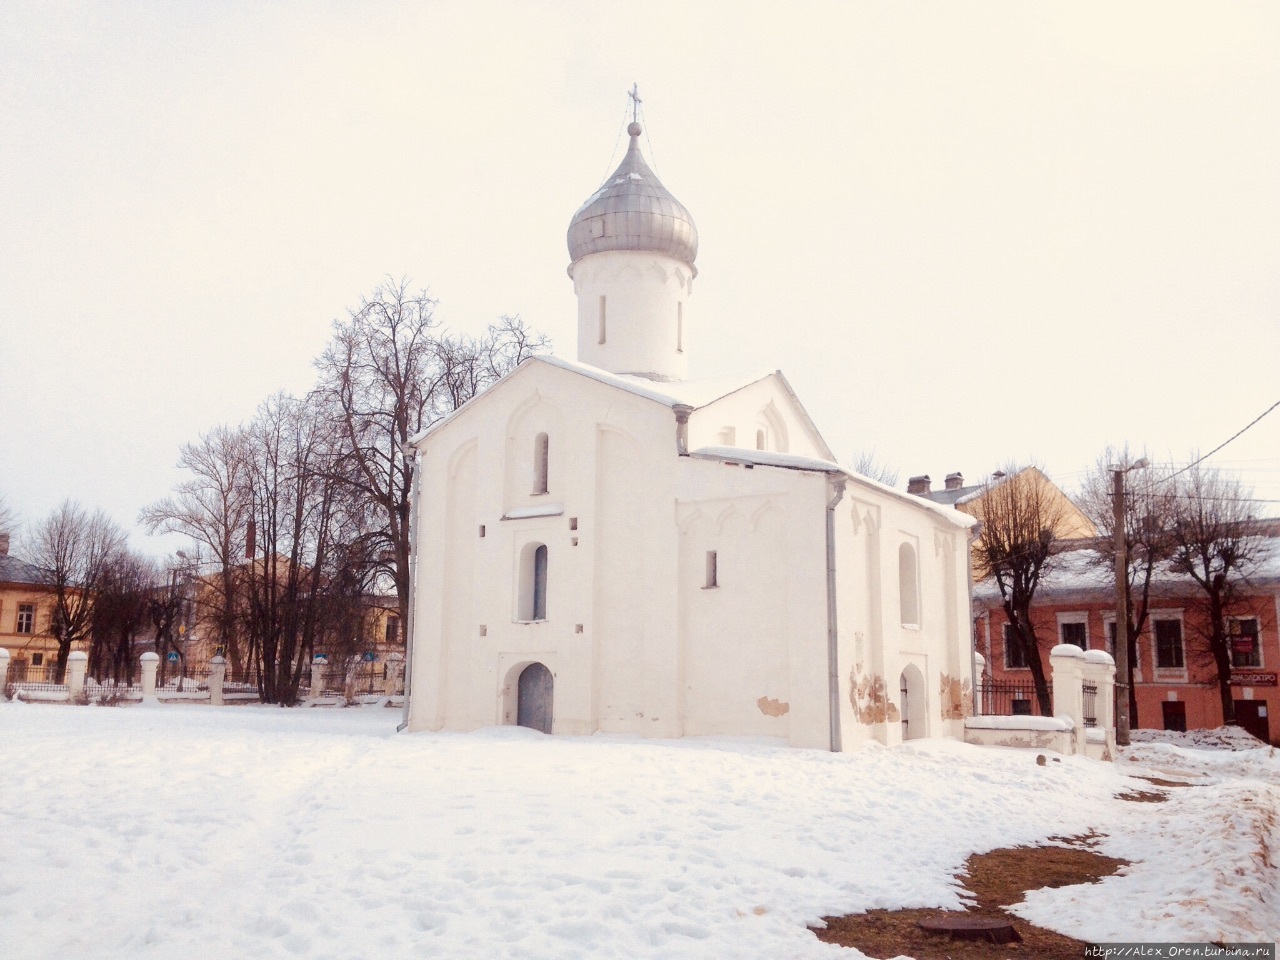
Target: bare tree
1020,514
304,577
211,507
1217,545
866,463
8,517
1148,516
74,549
387,374
120,613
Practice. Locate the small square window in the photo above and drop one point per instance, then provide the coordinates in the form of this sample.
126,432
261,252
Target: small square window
37,659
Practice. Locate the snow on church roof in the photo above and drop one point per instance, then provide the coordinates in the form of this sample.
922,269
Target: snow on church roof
792,461
767,458
695,393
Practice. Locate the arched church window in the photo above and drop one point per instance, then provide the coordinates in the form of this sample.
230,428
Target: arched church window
680,326
759,439
602,330
908,585
541,449
532,597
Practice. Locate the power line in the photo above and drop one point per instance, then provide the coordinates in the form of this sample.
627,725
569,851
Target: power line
1225,442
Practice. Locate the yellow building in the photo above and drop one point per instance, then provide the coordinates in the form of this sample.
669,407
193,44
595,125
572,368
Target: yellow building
1068,520
26,607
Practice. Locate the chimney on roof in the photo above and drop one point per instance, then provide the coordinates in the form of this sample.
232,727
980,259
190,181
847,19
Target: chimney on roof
955,480
920,486
4,544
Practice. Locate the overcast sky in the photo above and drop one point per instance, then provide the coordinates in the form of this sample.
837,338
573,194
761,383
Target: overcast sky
969,233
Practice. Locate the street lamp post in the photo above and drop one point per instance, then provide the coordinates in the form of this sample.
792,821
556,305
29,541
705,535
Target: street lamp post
1123,677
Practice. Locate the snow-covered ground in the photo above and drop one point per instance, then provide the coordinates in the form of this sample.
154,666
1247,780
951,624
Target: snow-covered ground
192,832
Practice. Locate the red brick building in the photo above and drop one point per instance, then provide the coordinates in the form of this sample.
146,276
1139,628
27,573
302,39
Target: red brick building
1174,676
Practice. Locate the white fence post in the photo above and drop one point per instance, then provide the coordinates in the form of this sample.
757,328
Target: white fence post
4,671
1100,669
979,669
77,665
317,677
217,676
1067,663
394,685
150,664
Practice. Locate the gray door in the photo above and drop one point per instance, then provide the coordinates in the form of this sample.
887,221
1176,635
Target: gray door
533,708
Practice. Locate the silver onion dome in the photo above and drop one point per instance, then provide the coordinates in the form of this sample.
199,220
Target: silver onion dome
632,210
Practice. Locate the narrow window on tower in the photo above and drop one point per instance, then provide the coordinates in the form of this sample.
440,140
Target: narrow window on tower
711,580
541,447
680,326
601,318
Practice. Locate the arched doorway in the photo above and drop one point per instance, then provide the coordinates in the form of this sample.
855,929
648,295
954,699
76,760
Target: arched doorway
534,697
911,703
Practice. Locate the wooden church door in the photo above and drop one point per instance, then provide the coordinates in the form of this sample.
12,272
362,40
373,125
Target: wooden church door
534,695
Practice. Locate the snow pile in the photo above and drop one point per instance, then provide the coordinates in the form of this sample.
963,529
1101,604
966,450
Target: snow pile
1220,738
1209,853
188,831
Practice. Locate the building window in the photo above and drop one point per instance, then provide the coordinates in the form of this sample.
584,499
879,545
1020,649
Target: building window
727,437
680,327
1076,634
908,587
712,574
540,583
541,449
1245,649
1168,644
393,629
532,595
601,340
26,618
37,659
1110,628
1014,656
759,439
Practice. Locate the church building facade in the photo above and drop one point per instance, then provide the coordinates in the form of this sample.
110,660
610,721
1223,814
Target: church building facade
606,546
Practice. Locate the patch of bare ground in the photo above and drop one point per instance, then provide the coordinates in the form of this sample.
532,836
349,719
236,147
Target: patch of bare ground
1143,796
1159,782
996,879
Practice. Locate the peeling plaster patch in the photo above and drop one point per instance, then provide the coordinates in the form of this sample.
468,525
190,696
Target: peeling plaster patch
957,699
870,702
773,708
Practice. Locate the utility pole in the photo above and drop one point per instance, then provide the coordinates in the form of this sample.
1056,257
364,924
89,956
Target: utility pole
1122,610
1123,667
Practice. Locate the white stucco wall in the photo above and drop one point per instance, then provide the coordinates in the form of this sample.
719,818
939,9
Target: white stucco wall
646,308
763,408
636,641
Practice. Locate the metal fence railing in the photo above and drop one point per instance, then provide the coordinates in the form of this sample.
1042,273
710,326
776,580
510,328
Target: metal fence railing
1090,691
1008,698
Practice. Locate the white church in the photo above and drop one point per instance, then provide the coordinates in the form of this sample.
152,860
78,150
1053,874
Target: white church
605,545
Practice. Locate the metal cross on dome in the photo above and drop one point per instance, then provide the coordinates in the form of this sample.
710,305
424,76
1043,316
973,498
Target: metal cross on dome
634,94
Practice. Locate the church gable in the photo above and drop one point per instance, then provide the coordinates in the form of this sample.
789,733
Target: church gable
763,415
